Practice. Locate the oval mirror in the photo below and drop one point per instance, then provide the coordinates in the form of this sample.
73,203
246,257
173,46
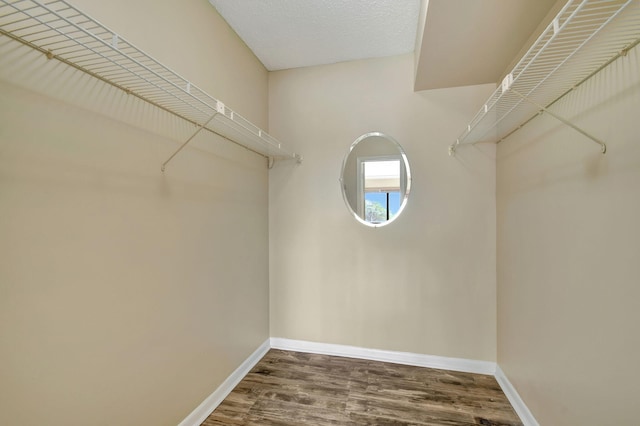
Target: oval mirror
375,179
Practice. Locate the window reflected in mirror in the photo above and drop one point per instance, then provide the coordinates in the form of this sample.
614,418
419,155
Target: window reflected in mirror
381,195
375,179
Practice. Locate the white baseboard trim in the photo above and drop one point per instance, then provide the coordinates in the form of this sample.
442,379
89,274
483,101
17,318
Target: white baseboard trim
207,406
516,402
406,358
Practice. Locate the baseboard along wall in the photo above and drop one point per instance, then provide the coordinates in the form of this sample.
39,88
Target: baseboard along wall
419,360
514,398
406,358
207,406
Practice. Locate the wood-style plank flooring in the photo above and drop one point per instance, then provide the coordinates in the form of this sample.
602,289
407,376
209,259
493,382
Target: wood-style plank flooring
292,388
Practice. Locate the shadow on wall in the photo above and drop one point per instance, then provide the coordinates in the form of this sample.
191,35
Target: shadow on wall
25,67
575,157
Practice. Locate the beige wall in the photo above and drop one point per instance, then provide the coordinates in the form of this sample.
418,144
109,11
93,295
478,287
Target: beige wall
127,295
425,283
568,256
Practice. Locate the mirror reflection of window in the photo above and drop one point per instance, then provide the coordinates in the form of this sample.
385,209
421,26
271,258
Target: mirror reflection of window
381,190
375,179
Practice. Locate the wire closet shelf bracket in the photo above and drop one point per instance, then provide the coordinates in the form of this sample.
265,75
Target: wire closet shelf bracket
62,32
583,38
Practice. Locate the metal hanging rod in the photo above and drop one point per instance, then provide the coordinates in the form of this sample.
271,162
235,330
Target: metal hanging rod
585,37
62,32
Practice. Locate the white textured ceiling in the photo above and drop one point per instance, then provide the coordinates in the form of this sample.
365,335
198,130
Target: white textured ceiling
298,33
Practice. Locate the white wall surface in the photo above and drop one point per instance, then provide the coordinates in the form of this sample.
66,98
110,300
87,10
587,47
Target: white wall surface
568,255
127,295
425,283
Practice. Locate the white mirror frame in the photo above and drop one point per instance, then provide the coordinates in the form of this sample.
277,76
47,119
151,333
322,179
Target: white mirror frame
405,179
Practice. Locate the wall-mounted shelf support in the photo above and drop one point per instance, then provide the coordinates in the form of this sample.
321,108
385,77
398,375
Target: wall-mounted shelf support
584,38
62,32
563,120
193,135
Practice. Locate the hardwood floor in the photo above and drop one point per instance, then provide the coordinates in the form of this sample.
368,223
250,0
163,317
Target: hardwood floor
292,388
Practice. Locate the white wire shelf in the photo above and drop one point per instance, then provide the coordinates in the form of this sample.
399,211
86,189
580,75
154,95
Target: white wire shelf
61,31
584,37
